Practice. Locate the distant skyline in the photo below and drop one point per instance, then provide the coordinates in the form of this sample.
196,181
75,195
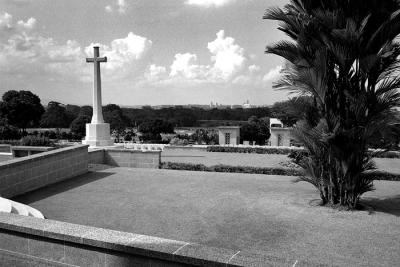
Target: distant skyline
161,52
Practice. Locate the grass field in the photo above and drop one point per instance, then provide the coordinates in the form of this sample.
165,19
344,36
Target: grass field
253,160
215,158
258,213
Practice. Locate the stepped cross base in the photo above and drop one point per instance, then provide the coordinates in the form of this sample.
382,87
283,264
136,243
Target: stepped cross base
98,135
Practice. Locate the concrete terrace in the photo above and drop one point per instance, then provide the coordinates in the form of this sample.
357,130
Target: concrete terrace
263,214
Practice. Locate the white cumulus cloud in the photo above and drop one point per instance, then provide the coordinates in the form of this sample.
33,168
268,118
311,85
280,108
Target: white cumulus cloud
185,66
156,73
126,55
24,51
228,57
120,6
227,64
108,9
209,3
273,74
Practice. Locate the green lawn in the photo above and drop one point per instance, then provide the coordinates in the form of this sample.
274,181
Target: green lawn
215,158
253,160
259,213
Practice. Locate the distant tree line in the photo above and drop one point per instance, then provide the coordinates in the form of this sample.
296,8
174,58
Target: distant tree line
23,109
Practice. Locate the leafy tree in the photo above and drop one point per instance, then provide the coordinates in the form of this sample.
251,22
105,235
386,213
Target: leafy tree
114,116
21,108
188,117
118,121
208,137
256,130
86,111
78,126
344,55
292,110
386,138
151,130
72,112
55,116
156,127
8,132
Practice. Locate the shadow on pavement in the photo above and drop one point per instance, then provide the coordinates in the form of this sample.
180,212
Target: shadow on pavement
60,187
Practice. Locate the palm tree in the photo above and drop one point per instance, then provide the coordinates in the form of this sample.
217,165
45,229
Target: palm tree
343,54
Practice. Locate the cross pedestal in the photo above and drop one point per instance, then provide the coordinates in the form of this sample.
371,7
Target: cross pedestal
97,132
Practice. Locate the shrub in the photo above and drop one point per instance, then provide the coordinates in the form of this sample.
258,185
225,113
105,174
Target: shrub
230,169
9,132
31,140
179,142
256,150
294,153
297,156
373,175
387,154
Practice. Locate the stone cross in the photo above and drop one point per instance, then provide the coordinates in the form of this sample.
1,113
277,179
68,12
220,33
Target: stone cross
97,106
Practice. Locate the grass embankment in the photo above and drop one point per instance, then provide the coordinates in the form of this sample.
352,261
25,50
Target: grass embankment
288,150
377,175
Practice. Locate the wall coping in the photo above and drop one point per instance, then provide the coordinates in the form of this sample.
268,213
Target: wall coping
124,150
33,148
143,245
36,157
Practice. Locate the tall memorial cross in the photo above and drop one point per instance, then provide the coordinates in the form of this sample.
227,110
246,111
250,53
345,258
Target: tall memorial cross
97,106
97,132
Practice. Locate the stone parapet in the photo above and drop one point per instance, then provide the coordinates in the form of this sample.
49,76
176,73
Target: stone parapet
126,158
27,241
21,175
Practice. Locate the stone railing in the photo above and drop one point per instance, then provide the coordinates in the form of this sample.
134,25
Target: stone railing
21,175
28,241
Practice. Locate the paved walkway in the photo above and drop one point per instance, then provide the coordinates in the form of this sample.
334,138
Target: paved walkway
266,214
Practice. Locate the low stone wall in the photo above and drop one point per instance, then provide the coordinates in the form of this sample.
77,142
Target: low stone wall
5,156
23,151
21,175
96,156
126,158
5,148
132,158
28,241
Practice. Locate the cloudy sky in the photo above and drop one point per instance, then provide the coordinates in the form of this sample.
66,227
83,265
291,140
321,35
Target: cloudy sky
159,51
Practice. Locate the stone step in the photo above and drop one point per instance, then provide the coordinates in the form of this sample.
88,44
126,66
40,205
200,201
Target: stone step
5,205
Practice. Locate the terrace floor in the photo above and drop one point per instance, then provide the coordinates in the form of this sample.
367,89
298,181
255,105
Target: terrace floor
259,213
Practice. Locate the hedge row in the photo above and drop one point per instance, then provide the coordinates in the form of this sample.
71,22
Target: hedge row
285,151
376,175
388,155
255,150
383,176
227,168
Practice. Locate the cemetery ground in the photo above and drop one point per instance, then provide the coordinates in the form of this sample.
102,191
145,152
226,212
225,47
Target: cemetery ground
196,156
257,213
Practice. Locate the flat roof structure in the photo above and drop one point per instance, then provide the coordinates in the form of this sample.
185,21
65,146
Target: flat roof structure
264,214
